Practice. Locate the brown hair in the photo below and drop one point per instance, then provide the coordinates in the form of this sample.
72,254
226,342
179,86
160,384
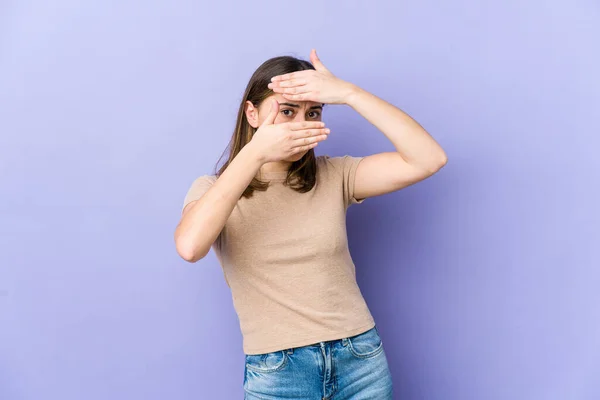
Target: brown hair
302,173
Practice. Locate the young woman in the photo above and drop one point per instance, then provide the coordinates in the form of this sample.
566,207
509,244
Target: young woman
275,214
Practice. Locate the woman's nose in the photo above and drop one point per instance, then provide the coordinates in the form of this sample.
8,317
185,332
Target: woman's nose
300,117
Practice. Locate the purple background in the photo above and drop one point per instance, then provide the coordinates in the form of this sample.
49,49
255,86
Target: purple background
483,280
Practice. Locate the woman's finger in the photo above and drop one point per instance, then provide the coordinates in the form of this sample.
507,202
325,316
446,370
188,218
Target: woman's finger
307,133
316,61
292,75
283,77
291,90
298,126
290,83
308,140
300,149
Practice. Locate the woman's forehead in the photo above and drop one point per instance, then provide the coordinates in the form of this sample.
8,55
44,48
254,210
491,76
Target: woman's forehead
303,104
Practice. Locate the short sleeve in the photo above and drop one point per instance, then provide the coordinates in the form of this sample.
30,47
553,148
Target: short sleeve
346,168
198,188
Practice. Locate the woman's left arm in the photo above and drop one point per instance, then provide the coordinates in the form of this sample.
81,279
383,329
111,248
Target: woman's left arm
417,154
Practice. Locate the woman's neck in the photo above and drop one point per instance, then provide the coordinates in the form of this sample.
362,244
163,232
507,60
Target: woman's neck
274,170
276,166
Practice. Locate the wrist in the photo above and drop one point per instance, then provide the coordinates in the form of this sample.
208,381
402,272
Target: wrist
255,156
352,94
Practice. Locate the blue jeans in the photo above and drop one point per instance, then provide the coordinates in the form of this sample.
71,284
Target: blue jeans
354,368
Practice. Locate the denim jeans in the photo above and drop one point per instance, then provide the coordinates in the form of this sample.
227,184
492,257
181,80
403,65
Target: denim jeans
353,368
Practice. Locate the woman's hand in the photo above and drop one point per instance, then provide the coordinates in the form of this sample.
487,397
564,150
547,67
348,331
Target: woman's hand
319,85
276,142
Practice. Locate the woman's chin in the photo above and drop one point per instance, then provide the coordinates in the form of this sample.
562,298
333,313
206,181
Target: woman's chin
297,157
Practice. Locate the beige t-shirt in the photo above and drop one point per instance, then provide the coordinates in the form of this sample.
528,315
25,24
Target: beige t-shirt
285,258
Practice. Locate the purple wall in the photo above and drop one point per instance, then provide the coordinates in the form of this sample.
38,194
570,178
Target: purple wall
484,279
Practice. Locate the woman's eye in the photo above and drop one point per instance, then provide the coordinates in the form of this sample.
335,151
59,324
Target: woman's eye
314,114
287,111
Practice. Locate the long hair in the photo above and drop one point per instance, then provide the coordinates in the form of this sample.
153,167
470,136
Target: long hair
302,173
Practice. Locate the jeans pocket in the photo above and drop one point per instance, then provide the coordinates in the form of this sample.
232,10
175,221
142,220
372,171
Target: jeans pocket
267,362
365,345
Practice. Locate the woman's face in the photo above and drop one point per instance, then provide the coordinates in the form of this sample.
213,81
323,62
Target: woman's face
289,111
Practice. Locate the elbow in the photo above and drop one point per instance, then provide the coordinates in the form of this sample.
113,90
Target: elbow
442,161
190,256
188,251
438,164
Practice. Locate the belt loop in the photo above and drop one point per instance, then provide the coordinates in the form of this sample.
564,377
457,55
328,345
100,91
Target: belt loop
290,350
344,341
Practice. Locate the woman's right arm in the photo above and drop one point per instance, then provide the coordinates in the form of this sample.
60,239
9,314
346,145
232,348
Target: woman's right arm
203,219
